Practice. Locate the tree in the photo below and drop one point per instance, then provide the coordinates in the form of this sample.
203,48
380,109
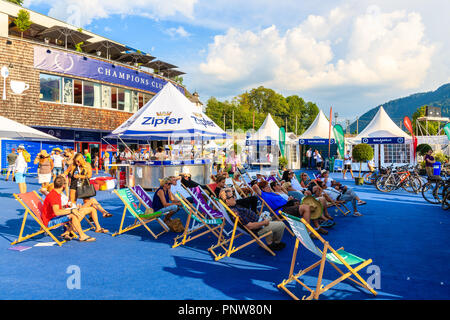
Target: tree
18,2
423,148
23,21
361,153
178,79
432,125
78,46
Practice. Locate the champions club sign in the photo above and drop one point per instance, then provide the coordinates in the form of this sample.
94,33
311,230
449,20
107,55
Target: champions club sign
80,66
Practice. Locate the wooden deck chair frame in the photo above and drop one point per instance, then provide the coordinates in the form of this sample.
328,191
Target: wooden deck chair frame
325,257
146,206
43,229
196,222
238,231
138,221
338,206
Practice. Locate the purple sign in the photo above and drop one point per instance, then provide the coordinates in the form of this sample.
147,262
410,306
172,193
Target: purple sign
80,66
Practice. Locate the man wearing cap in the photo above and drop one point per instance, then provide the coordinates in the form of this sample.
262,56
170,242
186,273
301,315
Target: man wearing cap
58,163
20,168
11,158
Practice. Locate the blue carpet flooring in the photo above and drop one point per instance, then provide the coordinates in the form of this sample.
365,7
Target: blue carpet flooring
406,238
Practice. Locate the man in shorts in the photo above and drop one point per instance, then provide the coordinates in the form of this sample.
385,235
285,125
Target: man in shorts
58,163
347,164
11,158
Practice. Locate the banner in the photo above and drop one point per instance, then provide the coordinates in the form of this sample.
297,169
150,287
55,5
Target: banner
447,130
408,125
382,140
282,140
316,141
339,135
80,66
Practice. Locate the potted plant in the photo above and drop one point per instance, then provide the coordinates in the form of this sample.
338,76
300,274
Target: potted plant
361,153
282,163
23,21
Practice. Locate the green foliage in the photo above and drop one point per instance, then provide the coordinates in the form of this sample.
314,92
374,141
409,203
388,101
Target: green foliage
257,103
80,30
361,153
178,79
432,125
423,148
440,157
19,2
23,21
282,162
78,47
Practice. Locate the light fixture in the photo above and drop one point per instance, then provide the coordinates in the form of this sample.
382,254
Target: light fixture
8,42
49,51
99,53
84,58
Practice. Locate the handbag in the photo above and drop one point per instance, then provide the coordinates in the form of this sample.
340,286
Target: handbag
85,189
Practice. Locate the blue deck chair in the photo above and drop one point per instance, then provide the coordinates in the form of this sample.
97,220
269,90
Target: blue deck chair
328,254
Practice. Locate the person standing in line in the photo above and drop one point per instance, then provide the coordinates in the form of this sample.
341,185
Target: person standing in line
11,158
87,156
347,164
20,168
58,163
45,168
319,160
308,158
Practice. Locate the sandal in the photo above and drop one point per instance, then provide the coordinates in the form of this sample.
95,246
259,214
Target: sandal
102,230
66,237
106,214
361,202
88,239
357,214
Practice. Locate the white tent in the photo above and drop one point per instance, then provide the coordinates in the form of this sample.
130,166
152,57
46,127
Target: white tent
10,129
169,115
318,131
390,143
267,134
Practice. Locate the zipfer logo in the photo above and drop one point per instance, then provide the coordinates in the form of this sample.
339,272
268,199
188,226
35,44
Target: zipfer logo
155,121
203,122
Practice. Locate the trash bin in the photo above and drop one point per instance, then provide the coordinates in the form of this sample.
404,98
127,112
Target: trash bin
437,168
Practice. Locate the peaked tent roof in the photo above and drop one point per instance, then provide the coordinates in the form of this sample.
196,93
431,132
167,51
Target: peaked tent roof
268,131
169,114
15,130
319,129
382,126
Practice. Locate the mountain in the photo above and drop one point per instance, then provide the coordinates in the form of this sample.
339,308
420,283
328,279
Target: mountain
399,108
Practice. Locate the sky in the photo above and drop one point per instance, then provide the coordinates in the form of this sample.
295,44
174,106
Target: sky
351,55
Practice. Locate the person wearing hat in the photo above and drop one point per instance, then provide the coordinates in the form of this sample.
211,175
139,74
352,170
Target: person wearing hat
164,201
11,158
45,167
58,162
20,168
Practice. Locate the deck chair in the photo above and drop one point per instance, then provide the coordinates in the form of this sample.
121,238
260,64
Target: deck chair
238,231
328,254
146,201
197,221
33,203
132,205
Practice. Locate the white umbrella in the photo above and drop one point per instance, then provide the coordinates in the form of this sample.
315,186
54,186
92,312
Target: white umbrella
14,130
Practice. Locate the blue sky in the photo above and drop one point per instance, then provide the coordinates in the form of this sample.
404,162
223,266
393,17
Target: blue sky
352,55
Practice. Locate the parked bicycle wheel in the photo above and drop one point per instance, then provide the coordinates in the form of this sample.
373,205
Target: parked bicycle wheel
446,201
369,178
380,184
411,185
432,191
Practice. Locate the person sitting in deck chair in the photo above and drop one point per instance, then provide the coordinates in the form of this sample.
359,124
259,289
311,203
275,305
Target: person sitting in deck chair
334,195
250,202
165,202
251,220
53,212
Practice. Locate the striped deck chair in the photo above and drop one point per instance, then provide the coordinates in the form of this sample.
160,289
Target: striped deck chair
146,201
33,203
238,231
328,254
132,205
198,220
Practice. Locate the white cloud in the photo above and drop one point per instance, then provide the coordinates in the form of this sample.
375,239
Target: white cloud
83,12
177,32
380,50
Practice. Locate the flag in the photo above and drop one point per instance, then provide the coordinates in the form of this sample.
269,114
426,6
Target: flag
329,132
282,139
447,130
339,135
408,125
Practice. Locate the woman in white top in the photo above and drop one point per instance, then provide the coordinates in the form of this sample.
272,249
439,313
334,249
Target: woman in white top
319,160
20,168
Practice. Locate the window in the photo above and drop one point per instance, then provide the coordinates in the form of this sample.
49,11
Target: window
141,100
147,98
77,91
50,88
106,97
135,101
396,153
128,101
68,90
91,94
114,98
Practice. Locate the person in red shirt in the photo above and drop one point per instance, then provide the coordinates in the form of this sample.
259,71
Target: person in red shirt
53,212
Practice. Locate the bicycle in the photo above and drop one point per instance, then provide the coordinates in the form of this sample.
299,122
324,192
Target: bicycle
434,189
404,177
